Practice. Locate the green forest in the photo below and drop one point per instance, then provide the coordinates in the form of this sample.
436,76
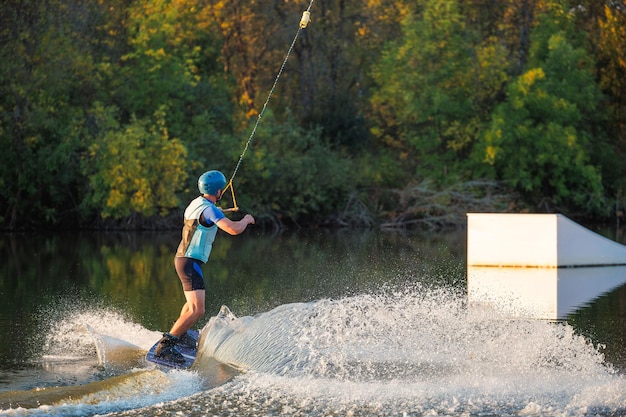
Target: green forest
387,112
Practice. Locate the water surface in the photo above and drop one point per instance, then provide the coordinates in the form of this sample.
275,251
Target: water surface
323,323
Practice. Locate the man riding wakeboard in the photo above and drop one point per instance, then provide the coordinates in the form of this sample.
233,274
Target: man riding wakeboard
202,218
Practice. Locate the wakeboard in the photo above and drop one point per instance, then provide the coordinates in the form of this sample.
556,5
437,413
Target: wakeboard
188,350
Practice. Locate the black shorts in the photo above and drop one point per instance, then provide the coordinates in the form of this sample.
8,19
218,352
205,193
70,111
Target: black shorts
189,271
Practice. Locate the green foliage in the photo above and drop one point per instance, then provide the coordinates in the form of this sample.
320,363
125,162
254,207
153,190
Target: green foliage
99,99
169,63
172,63
136,168
435,87
44,80
290,173
540,139
209,148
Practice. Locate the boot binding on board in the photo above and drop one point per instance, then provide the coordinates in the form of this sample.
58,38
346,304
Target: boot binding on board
166,349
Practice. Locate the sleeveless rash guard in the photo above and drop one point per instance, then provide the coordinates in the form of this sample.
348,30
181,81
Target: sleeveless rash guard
197,239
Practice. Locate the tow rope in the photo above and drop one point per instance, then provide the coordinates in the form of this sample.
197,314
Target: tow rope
304,21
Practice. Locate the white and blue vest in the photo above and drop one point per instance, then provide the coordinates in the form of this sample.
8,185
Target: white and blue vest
197,239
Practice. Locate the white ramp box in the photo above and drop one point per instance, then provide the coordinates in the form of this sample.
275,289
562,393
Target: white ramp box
537,241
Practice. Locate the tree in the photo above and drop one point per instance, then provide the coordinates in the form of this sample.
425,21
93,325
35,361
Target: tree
604,25
167,74
325,82
510,21
541,138
161,66
291,174
134,169
612,72
45,73
436,85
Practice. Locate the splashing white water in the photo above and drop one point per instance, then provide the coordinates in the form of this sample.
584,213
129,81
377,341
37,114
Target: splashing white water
73,335
396,337
413,352
94,362
416,352
132,391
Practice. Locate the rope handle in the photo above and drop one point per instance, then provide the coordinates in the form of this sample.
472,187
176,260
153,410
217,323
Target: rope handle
232,193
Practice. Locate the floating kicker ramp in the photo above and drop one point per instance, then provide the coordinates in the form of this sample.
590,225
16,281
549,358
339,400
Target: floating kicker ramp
537,241
542,266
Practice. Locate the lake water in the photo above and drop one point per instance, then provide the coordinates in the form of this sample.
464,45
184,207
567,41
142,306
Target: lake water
321,323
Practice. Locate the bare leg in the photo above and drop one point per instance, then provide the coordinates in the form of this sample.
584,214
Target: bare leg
191,312
185,310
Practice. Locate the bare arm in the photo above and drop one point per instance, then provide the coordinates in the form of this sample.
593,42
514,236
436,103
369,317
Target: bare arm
235,227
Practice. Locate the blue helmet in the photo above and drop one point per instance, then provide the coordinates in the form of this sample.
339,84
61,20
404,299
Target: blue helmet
211,182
